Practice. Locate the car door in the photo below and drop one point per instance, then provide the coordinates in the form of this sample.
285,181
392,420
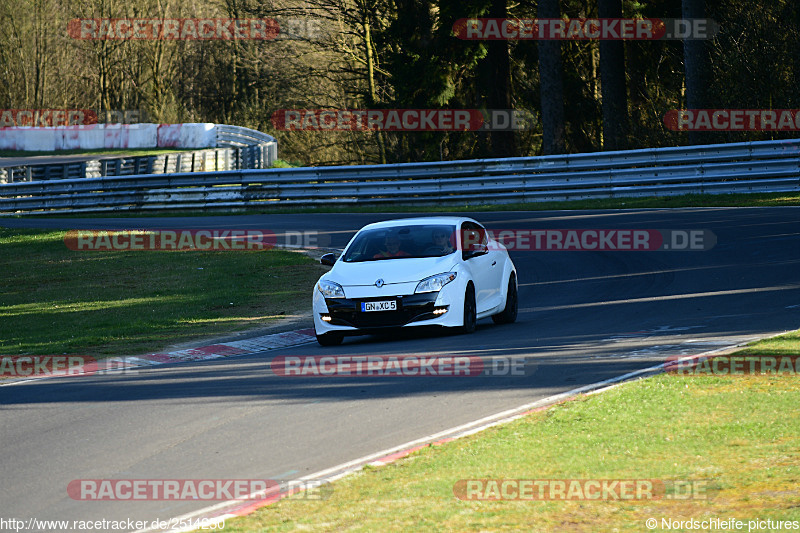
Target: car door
495,264
496,267
476,255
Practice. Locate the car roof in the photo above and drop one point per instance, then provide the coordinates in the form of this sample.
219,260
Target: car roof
418,221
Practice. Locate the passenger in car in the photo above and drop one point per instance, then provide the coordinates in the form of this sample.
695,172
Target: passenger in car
391,246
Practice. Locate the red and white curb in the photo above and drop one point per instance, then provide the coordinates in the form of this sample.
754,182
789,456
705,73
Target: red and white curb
273,341
219,513
228,349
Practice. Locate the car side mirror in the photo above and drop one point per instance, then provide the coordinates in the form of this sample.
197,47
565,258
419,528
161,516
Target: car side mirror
328,259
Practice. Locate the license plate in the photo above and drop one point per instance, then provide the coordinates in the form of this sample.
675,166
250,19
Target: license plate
386,305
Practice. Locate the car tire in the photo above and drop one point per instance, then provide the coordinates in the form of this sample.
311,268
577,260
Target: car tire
509,314
470,311
330,339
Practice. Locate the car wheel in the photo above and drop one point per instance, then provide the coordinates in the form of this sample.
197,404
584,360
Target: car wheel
470,311
509,314
330,339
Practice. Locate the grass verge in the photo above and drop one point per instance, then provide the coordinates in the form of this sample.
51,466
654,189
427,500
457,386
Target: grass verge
786,344
737,436
54,300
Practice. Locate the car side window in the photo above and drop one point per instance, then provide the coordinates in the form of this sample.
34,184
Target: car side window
473,238
483,233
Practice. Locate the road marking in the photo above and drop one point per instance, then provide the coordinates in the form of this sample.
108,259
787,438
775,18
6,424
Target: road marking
651,299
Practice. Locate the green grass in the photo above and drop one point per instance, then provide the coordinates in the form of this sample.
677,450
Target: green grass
741,435
738,435
692,200
786,344
104,151
54,300
282,163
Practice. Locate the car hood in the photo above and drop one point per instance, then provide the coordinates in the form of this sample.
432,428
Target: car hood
389,270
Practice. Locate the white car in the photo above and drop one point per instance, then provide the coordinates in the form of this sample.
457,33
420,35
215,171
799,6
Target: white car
443,271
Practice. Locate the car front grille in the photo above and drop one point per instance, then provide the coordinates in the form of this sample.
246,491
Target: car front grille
410,308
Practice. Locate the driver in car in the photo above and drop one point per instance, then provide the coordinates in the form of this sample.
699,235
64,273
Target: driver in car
391,244
441,241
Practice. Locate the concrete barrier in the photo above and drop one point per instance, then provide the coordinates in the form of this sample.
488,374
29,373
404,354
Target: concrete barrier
107,136
28,139
221,147
191,135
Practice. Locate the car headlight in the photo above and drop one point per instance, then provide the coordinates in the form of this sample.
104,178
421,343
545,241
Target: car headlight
435,283
330,289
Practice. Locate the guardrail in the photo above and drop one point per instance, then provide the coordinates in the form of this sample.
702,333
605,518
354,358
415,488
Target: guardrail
769,166
257,149
195,161
241,148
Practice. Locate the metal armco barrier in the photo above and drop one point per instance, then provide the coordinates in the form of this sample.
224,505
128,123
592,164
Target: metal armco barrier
238,148
256,149
195,161
769,166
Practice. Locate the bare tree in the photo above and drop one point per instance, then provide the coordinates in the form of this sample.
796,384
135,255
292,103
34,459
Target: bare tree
613,86
696,65
551,86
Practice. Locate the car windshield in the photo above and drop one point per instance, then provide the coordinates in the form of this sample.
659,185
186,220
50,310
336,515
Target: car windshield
402,242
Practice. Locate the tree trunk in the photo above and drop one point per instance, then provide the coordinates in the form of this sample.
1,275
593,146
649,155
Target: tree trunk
373,93
499,96
612,80
695,59
551,86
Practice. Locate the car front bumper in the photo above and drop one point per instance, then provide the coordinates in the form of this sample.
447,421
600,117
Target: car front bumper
345,315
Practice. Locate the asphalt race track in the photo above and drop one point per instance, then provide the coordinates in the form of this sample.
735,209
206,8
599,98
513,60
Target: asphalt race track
584,316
